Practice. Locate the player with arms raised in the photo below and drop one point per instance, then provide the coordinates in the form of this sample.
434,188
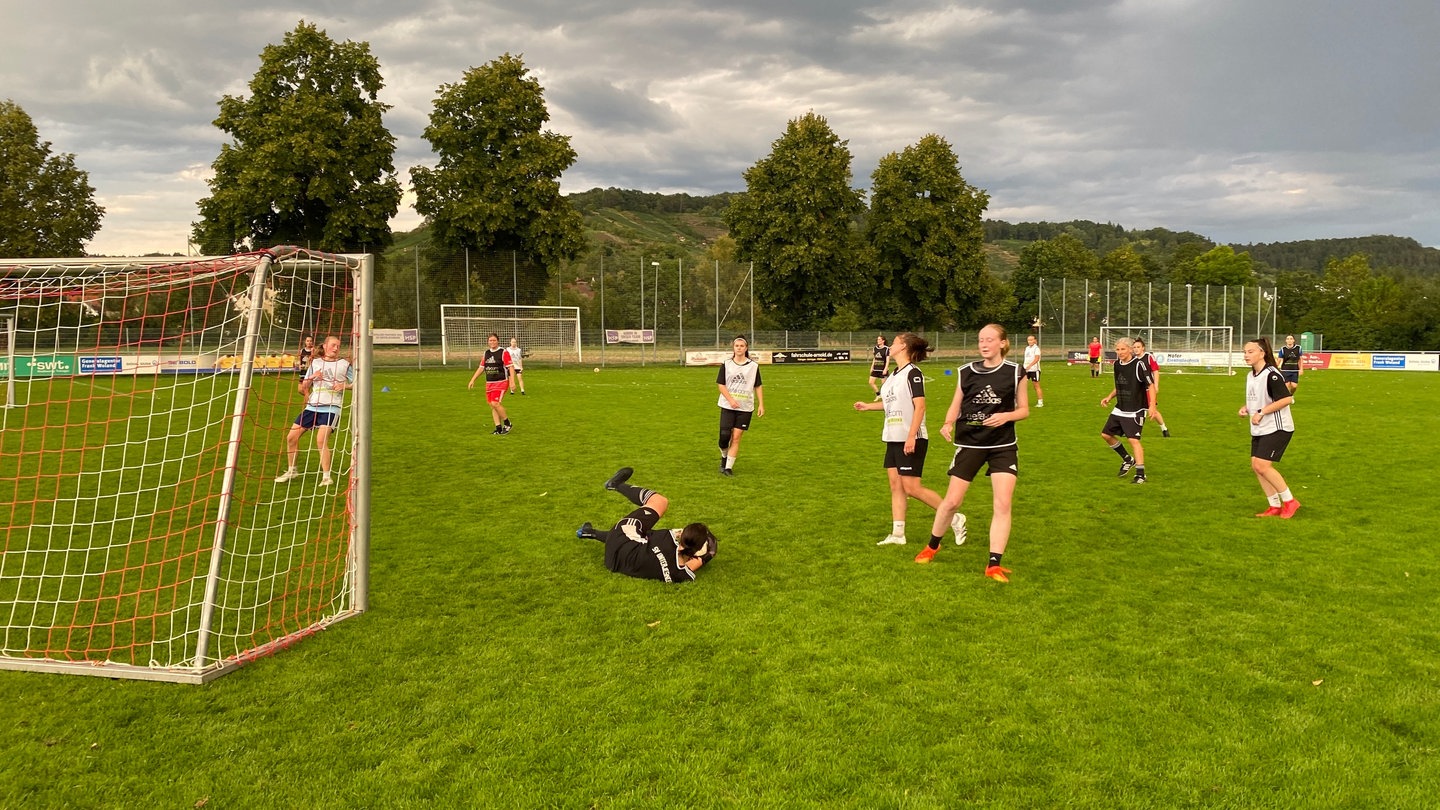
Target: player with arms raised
636,548
1134,395
499,376
1267,405
988,402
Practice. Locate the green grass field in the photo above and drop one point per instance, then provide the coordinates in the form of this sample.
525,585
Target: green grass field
1156,647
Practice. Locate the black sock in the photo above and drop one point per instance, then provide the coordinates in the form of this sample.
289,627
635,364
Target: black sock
934,542
995,557
1119,449
1140,471
507,423
635,494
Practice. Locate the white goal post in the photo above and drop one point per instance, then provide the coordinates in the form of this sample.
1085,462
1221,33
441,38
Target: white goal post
1182,349
7,357
143,531
546,333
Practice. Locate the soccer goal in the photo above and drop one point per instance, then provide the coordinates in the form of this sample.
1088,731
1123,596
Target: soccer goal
1182,349
547,334
142,533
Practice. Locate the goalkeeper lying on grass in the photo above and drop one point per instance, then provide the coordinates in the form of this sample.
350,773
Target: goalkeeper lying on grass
634,546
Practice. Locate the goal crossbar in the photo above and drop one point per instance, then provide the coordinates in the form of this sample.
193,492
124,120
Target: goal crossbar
546,333
1182,349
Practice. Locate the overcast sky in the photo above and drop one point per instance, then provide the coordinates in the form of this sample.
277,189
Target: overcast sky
1243,120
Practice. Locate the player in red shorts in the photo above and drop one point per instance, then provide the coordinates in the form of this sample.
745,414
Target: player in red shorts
499,374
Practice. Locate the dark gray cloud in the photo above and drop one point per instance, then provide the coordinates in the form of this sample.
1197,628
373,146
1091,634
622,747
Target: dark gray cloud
1245,121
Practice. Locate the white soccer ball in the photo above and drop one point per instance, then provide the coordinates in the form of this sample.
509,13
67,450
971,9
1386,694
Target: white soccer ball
597,369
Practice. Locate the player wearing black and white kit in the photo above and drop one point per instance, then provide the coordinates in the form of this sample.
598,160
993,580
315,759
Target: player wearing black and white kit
1148,358
879,362
740,397
1267,406
902,398
499,374
635,548
989,400
1290,357
1134,395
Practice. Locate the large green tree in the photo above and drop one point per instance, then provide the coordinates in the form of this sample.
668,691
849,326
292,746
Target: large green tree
927,236
1219,266
311,162
47,206
796,222
496,186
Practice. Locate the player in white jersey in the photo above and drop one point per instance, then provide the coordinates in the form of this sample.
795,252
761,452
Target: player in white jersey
1032,368
989,400
324,389
1134,395
1267,406
902,398
517,364
740,396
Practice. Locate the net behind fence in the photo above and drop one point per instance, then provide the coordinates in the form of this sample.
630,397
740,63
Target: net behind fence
141,531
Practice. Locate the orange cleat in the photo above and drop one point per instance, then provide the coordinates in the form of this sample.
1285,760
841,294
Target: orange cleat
926,555
997,573
1289,509
1271,512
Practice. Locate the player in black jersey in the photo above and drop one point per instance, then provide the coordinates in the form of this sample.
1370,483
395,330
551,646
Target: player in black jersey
1134,395
988,402
1291,366
879,362
499,377
634,547
1148,358
307,353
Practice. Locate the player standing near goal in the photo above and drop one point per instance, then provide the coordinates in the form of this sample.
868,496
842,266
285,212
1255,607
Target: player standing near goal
906,440
307,351
1291,366
324,389
1134,394
1148,358
1267,405
1032,368
517,362
636,548
1096,348
988,402
740,396
879,362
499,374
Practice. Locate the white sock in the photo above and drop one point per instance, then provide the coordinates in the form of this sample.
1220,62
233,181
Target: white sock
897,528
729,462
1274,500
1286,496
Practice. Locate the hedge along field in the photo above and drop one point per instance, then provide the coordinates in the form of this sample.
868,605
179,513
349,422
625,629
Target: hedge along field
1157,646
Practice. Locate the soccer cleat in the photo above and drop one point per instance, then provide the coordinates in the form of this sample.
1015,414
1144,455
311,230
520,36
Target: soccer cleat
722,464
587,532
997,573
621,476
1165,431
496,431
1125,466
503,430
1289,508
957,525
1039,403
727,471
326,481
1139,478
1271,512
892,540
288,475
926,555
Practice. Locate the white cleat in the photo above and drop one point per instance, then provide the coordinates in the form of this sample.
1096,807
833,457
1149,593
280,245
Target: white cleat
326,481
288,475
957,525
892,540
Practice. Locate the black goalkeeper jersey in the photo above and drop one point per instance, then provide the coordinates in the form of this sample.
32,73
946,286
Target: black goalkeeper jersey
636,549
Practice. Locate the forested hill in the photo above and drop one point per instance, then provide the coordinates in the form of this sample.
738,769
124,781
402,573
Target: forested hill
690,222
